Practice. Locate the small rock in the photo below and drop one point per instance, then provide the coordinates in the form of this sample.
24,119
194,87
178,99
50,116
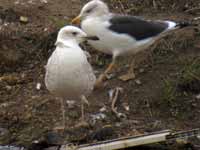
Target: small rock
23,75
111,93
71,103
3,132
121,115
3,105
99,116
141,70
103,109
197,18
96,117
44,1
194,105
6,104
126,106
38,86
30,2
138,82
45,29
17,2
6,24
198,97
8,87
23,19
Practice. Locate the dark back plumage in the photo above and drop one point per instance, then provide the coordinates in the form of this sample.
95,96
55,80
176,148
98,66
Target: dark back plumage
136,27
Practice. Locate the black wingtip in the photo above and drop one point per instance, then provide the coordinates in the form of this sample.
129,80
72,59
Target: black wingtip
185,24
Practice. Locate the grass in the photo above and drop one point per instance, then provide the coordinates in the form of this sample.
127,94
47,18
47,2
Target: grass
178,93
191,71
59,23
169,92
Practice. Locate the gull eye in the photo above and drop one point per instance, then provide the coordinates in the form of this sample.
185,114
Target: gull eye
74,33
89,10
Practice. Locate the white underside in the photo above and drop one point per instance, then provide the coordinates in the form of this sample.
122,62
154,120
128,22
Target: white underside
68,73
114,43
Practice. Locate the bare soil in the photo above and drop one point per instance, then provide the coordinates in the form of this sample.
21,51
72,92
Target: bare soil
166,98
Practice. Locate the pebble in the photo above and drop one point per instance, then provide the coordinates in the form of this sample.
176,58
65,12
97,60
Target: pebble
121,115
38,86
6,104
23,19
111,93
96,117
141,70
44,1
71,103
3,131
8,87
126,107
103,109
138,82
45,29
17,2
198,97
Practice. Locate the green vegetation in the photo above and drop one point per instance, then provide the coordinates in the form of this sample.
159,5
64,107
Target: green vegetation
59,23
178,93
191,72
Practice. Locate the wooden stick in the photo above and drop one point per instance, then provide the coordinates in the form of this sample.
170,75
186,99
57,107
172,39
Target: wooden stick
123,142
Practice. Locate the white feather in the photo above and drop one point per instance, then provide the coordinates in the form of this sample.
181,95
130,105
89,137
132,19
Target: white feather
68,73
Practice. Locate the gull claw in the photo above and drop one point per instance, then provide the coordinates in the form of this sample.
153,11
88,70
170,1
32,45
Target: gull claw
127,77
114,98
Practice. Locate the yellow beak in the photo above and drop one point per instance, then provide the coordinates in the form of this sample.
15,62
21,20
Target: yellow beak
76,20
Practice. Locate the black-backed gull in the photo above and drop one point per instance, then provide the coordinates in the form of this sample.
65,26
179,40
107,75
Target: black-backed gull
120,34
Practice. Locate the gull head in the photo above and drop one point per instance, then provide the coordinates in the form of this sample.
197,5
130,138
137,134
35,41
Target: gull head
94,8
73,34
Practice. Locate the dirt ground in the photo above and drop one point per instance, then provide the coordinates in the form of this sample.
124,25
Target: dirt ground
164,95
